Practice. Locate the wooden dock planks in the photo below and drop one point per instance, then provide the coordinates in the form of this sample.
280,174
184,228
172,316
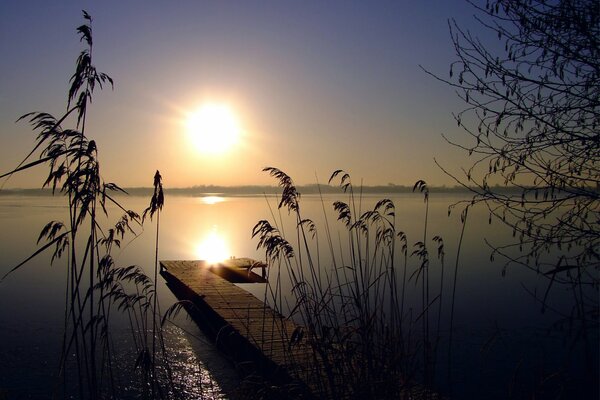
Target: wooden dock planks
243,327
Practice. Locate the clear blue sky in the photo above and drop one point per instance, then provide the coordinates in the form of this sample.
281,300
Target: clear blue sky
315,86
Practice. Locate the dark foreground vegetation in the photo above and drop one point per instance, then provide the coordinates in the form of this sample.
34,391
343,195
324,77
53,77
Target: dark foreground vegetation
349,294
96,288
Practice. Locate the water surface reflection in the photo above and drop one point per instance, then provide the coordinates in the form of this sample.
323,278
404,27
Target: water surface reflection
213,247
488,305
210,200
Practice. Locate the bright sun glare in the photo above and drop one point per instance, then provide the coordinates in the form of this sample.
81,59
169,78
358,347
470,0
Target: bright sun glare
213,248
213,128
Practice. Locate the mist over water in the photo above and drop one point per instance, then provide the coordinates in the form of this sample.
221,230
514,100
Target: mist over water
499,330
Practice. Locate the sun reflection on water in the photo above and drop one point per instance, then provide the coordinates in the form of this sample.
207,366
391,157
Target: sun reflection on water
188,372
210,200
213,248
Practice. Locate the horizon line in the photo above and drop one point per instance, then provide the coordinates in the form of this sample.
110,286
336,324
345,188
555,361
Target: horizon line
211,189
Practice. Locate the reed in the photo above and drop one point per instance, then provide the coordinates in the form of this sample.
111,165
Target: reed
350,299
95,286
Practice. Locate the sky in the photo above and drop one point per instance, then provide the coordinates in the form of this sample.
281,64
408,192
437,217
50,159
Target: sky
314,86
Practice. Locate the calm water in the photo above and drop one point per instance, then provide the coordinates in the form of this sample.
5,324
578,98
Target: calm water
503,342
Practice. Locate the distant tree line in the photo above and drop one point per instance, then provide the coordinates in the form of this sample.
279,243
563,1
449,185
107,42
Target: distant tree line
247,190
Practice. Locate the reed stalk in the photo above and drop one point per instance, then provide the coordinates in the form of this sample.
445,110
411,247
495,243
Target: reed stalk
94,284
463,219
350,304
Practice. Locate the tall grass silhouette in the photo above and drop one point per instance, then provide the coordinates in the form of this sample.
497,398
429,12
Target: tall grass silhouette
350,303
96,287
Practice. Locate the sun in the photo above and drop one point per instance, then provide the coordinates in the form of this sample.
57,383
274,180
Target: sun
213,128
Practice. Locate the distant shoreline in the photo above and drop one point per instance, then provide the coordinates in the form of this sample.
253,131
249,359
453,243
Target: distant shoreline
205,190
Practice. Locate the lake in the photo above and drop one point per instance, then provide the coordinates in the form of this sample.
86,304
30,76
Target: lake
503,344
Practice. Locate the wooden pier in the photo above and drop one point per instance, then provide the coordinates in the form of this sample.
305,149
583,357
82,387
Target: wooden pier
255,337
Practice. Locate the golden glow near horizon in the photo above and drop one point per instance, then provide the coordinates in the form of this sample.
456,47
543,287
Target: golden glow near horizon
210,200
213,128
213,248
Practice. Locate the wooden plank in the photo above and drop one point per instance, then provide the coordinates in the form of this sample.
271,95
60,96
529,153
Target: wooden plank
239,319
